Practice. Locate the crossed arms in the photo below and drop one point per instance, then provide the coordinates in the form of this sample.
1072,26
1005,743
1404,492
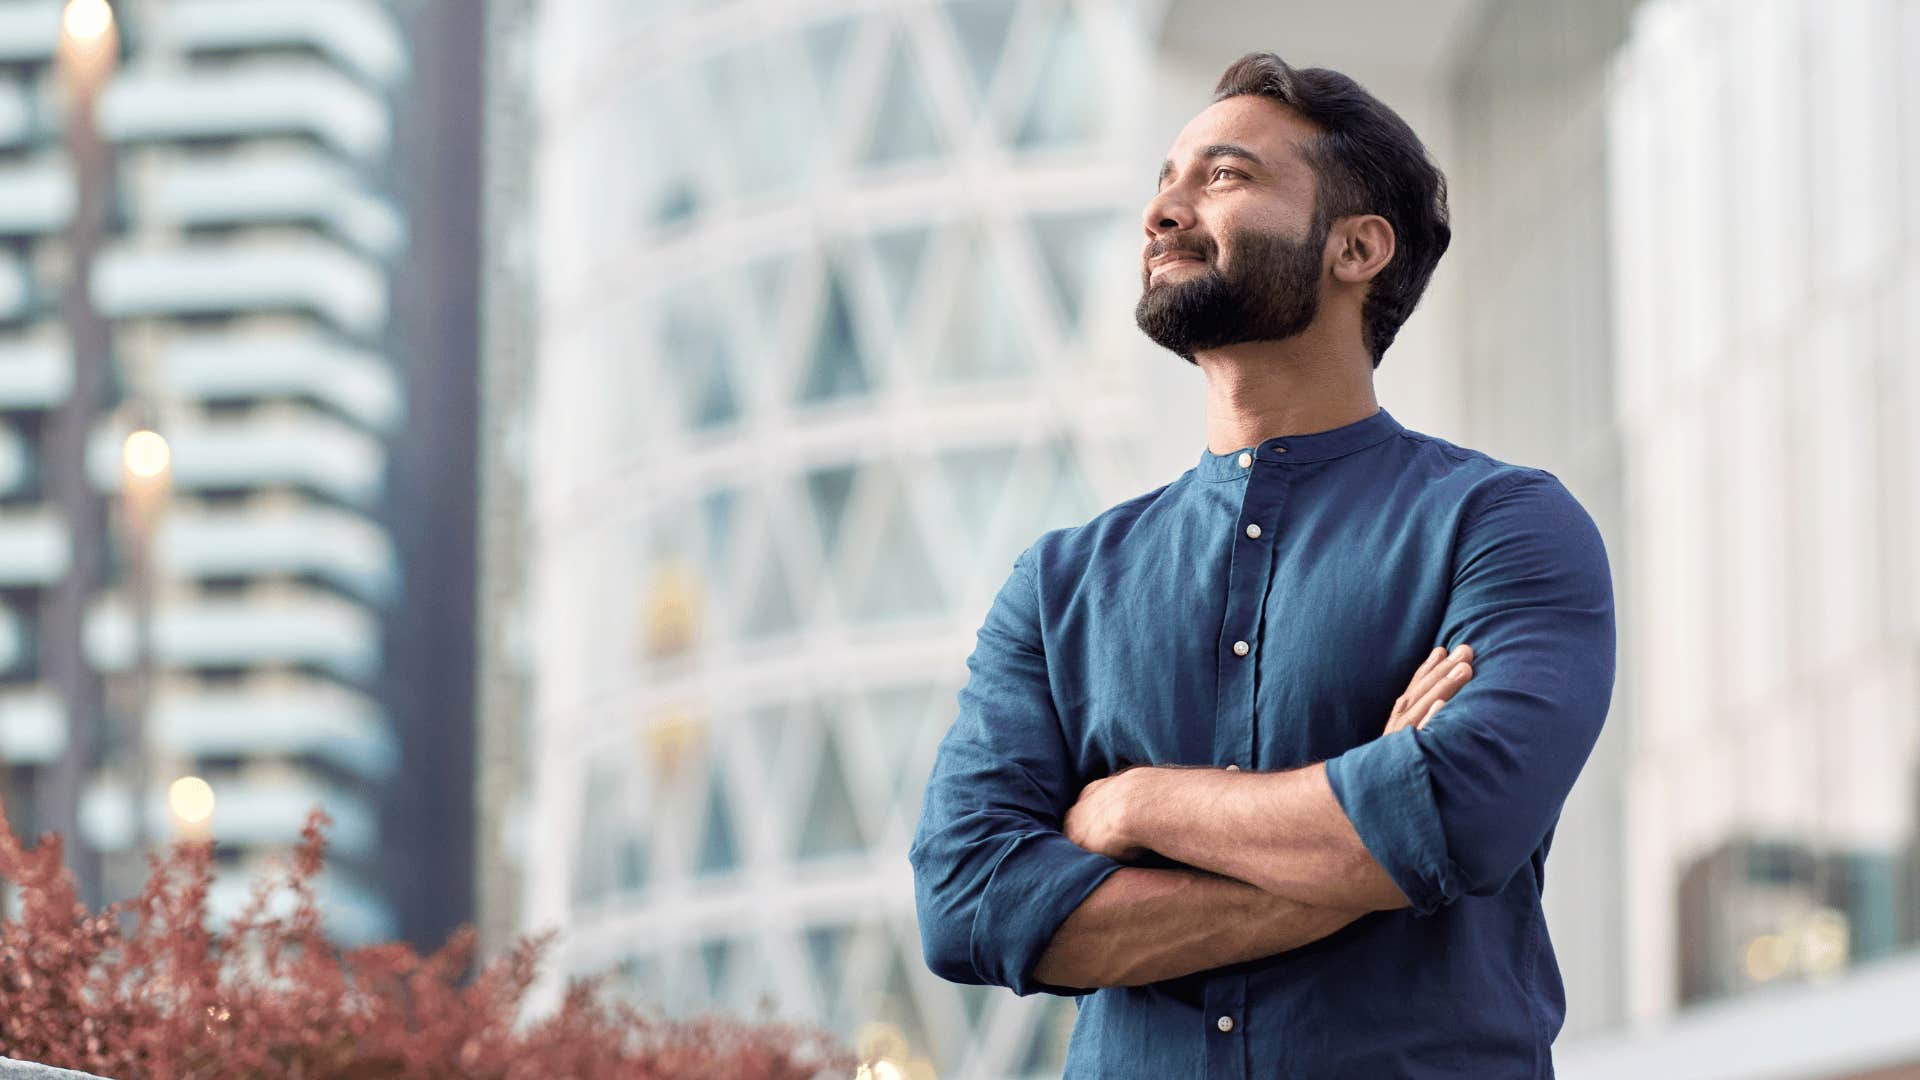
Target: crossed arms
1021,875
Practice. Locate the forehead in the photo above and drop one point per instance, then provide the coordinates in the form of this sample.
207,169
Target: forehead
1267,127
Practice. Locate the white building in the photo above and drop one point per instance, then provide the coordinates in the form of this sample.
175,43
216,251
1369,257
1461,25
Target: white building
826,312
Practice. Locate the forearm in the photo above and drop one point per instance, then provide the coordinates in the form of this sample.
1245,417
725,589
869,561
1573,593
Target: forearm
1143,924
1282,832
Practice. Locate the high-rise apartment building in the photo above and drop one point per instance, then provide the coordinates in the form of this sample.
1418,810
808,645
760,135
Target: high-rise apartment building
247,298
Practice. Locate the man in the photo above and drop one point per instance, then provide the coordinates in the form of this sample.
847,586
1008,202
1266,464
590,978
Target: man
1202,779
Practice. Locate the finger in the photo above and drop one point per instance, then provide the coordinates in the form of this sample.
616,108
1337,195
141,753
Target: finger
1423,684
1405,701
1431,709
1433,658
1443,688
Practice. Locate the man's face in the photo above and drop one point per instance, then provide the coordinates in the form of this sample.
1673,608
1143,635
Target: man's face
1235,240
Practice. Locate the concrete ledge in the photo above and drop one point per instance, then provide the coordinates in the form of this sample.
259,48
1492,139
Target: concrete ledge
1860,1020
11,1069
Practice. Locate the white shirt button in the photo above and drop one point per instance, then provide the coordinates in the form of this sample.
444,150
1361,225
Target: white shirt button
1253,530
1246,459
1225,1023
1240,648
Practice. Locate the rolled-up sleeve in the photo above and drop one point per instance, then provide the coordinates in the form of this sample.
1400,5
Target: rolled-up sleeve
1457,807
994,877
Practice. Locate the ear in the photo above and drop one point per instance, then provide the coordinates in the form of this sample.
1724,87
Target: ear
1363,245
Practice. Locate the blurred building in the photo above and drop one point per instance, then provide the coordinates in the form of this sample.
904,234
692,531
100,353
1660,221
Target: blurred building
805,319
236,293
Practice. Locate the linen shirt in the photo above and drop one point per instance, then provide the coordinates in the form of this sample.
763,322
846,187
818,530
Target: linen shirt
1263,611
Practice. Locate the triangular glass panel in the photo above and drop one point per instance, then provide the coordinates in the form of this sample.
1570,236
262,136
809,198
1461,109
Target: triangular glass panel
772,610
752,994
899,715
902,581
766,144
639,978
977,480
827,948
980,26
905,127
835,367
828,490
719,848
974,999
982,339
718,508
766,283
897,1005
1046,1050
898,255
1062,109
1070,249
698,348
826,43
716,958
1069,499
831,824
632,849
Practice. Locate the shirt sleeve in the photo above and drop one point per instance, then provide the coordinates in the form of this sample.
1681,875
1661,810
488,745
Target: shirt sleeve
1457,807
994,877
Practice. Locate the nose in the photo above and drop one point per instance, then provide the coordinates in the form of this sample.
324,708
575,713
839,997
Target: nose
1165,212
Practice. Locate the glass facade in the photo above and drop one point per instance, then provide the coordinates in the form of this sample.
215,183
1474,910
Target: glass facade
806,305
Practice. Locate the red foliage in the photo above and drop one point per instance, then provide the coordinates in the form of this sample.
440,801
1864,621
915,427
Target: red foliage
271,997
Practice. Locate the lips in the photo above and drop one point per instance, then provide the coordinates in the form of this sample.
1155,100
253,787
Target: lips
1173,257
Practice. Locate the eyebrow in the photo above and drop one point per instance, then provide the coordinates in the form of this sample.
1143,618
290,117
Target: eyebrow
1217,150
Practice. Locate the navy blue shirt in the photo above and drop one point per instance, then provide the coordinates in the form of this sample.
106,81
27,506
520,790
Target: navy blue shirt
1112,644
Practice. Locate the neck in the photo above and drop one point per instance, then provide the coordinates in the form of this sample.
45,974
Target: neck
1262,389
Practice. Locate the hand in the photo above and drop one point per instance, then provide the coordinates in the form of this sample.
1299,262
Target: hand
1438,679
1097,821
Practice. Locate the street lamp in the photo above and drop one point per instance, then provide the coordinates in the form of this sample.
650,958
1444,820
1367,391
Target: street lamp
88,49
145,483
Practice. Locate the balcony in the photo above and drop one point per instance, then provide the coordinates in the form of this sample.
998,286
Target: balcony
294,717
273,96
294,539
287,185
36,197
33,725
353,382
354,33
292,446
279,625
288,273
34,548
35,373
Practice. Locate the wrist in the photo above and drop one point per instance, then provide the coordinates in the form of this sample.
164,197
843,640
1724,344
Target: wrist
1137,815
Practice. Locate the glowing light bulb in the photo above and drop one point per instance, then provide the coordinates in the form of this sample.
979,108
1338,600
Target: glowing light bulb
86,20
145,454
191,799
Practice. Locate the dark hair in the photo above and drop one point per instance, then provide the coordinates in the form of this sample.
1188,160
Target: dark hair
1368,161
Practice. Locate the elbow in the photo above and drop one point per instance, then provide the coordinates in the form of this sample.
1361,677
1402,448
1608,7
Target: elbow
947,949
945,922
1486,869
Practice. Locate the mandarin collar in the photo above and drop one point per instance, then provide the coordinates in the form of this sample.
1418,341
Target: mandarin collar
1294,449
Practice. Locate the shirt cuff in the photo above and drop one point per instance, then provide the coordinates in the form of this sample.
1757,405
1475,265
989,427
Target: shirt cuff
1038,882
1386,793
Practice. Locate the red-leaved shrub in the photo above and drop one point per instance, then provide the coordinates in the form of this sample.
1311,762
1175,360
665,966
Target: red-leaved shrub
271,997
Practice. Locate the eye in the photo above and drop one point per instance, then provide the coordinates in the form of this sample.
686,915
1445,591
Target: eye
1224,169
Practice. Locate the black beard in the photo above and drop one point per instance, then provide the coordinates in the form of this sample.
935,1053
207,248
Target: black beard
1272,292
